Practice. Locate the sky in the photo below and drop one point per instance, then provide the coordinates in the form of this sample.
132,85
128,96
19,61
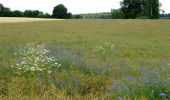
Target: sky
73,6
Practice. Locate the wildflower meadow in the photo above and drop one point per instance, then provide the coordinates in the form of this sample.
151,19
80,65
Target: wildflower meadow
85,60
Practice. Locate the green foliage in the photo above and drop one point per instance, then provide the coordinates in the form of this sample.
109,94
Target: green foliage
77,17
4,11
137,8
102,15
117,14
152,9
165,16
32,13
17,13
60,11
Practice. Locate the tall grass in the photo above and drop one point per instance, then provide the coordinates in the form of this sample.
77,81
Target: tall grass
101,59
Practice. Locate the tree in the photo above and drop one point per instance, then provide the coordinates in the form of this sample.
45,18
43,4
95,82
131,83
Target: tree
60,11
7,12
32,13
69,15
1,9
132,8
4,11
46,15
117,14
77,17
35,13
42,15
151,8
139,8
27,13
17,13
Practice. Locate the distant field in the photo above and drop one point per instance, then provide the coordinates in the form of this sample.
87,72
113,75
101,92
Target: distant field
16,19
93,55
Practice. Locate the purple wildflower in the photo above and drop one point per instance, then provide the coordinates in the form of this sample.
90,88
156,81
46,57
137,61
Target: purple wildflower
153,72
162,94
142,79
125,87
148,81
113,87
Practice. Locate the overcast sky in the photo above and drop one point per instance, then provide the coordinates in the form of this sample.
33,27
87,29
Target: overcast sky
74,6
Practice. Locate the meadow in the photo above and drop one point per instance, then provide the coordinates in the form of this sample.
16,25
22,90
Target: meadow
99,60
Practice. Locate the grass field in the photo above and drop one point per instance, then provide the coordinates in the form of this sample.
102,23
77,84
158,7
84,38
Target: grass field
100,59
17,20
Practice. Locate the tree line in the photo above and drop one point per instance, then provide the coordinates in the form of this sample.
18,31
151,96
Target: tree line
130,9
101,15
6,12
59,11
165,16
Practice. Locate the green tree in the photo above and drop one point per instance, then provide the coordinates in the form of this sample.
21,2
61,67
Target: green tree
77,17
42,15
151,8
4,11
35,13
32,13
17,13
60,11
1,10
46,15
132,8
7,12
139,8
27,13
117,14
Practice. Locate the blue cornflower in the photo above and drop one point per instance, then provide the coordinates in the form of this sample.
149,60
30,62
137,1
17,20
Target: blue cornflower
125,87
153,72
162,94
113,87
148,81
142,79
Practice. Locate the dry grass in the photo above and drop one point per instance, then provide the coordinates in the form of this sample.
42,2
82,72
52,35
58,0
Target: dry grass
16,19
